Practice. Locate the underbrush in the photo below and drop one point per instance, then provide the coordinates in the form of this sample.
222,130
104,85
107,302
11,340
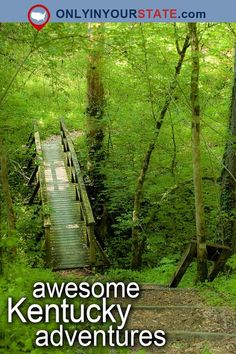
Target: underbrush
17,283
160,275
222,291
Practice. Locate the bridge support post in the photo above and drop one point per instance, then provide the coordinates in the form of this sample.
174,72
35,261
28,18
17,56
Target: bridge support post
48,246
92,244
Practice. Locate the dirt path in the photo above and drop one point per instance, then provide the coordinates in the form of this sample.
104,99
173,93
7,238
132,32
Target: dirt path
191,326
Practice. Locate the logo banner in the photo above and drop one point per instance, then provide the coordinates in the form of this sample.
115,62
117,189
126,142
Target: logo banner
118,11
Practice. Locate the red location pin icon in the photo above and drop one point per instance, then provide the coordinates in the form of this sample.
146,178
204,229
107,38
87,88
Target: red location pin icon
38,16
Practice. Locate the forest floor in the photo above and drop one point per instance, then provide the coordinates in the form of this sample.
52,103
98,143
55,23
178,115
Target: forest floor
191,325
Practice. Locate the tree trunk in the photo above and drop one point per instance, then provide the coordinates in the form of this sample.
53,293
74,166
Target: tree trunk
95,127
6,190
7,199
139,241
197,178
227,225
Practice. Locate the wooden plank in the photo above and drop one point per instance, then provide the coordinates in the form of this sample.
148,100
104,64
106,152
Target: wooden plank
213,250
91,237
84,195
77,193
67,233
103,254
183,264
219,264
216,253
30,141
43,193
214,336
31,160
33,175
48,245
36,189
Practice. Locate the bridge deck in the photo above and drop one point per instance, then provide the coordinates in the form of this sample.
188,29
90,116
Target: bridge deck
67,232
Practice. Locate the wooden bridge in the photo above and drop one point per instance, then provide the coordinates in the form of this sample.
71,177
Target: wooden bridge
68,219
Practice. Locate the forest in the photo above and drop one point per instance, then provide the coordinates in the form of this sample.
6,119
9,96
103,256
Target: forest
151,111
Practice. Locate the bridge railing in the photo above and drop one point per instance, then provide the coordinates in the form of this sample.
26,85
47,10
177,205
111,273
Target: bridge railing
38,174
81,193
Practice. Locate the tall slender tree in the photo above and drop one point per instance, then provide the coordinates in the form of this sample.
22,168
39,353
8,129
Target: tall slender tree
138,239
227,224
7,202
196,152
95,125
6,188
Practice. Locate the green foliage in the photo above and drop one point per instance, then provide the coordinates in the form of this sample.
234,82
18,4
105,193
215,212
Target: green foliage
159,275
206,351
18,282
139,63
222,290
30,234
